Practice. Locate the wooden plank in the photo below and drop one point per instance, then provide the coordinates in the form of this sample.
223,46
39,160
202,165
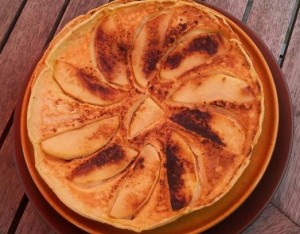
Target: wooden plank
236,8
76,8
32,222
287,197
26,42
272,221
270,20
10,185
8,12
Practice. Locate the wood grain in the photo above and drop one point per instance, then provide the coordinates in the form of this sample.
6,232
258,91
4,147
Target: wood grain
272,221
32,222
270,20
22,49
235,8
10,185
8,11
287,197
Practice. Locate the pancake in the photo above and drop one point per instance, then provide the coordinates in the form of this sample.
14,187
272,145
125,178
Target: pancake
141,112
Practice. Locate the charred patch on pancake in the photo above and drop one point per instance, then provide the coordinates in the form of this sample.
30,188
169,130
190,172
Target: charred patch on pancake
93,85
174,60
110,155
206,43
153,52
105,61
150,60
175,170
158,89
139,163
110,53
198,122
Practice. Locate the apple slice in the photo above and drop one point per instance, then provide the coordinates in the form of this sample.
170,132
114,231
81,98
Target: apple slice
148,113
215,87
148,47
194,49
103,165
83,141
218,128
110,52
181,172
84,86
138,184
229,131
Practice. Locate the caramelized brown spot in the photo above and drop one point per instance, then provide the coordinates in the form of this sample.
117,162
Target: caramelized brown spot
109,53
204,43
105,62
182,26
208,44
170,40
110,155
175,170
174,60
139,163
93,85
198,122
150,61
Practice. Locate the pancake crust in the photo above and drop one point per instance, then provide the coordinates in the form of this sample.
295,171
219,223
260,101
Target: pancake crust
163,107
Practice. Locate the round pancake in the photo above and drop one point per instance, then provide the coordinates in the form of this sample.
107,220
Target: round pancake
142,112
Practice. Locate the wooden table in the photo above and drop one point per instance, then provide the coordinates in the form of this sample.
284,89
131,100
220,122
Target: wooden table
27,26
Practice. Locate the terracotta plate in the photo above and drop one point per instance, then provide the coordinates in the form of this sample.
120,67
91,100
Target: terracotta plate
235,211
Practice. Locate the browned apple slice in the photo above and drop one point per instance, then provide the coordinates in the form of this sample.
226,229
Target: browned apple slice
194,49
138,186
84,86
214,87
186,18
197,121
181,171
148,47
229,131
105,164
111,52
147,113
82,141
222,130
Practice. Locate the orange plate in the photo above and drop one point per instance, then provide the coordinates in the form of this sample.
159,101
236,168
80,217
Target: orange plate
205,218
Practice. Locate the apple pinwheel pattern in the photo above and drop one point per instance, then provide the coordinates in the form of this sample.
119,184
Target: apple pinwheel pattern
162,101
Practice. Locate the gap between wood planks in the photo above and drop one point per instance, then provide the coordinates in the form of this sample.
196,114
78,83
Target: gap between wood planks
285,215
6,129
10,28
2,44
283,52
15,222
22,206
247,11
23,203
289,33
56,24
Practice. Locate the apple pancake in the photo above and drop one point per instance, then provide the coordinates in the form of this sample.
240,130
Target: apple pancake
143,111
